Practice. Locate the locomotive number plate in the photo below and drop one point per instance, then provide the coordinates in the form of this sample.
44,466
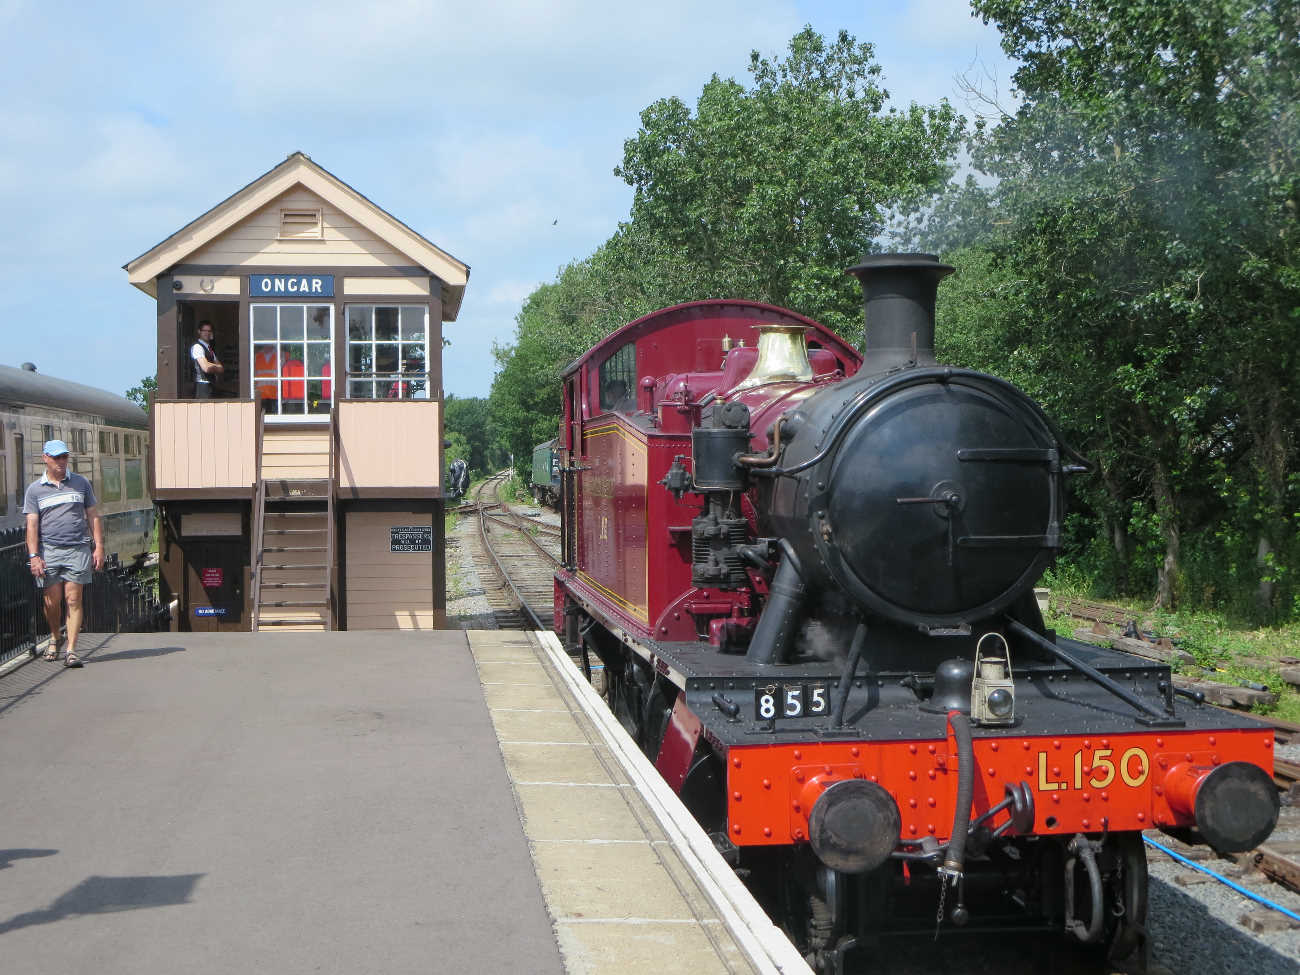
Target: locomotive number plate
1099,770
792,700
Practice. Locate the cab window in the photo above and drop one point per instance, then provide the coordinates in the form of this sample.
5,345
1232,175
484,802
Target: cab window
617,380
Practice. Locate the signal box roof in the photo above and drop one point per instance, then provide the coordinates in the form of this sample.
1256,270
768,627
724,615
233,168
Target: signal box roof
298,171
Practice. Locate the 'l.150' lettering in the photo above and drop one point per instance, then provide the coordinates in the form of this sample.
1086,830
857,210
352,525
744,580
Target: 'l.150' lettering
1132,768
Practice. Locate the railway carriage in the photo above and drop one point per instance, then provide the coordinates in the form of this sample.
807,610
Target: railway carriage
808,573
107,435
544,479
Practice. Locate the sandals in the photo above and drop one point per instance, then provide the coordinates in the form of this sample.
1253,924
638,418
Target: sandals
72,660
52,651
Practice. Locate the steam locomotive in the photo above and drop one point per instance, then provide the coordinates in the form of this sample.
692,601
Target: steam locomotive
808,574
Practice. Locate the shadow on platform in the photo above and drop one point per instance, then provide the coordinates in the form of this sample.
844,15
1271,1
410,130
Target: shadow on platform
106,895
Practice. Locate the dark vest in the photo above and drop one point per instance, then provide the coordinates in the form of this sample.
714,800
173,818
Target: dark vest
199,375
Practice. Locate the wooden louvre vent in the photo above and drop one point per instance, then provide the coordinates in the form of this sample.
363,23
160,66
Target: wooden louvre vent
301,225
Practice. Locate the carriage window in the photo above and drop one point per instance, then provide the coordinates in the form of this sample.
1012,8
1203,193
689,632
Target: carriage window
110,480
105,441
4,486
47,432
388,352
134,479
291,358
618,380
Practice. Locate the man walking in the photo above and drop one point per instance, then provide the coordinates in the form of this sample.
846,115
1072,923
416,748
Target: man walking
62,520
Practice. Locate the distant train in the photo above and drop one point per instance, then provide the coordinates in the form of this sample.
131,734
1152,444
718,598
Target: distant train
107,438
544,481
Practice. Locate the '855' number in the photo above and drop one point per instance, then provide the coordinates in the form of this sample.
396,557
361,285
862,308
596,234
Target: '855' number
792,700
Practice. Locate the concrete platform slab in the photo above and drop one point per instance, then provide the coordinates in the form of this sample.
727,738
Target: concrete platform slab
346,802
265,802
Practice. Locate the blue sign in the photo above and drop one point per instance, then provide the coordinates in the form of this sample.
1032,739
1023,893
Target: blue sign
209,610
291,285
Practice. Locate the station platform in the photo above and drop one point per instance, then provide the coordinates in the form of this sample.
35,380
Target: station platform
347,802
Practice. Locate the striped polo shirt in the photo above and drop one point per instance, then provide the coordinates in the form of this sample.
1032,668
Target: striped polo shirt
62,508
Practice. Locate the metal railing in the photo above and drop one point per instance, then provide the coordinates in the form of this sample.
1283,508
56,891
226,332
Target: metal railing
119,600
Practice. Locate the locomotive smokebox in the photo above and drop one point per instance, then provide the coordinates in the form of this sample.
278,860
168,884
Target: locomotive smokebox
927,494
898,296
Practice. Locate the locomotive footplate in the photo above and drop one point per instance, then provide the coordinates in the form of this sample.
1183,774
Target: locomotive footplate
741,703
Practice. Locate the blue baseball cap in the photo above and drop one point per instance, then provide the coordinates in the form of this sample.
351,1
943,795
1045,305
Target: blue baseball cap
55,448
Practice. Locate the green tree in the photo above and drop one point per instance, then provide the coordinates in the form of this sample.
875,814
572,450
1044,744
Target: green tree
1144,219
467,429
142,395
766,192
771,190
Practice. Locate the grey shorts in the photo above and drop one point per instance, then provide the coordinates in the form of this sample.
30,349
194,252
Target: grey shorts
67,563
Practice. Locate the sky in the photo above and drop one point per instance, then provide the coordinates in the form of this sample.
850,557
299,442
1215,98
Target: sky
492,128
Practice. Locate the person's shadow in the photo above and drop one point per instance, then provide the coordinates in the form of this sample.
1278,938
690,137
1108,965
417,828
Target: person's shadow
106,895
7,857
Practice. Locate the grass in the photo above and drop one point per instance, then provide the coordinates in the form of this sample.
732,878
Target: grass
1224,652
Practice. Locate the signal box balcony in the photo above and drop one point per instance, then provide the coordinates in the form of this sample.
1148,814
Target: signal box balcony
223,449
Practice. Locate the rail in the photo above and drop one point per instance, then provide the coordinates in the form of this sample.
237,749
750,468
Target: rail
499,514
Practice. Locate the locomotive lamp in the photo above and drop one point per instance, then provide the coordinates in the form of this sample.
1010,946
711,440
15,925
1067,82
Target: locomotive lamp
993,690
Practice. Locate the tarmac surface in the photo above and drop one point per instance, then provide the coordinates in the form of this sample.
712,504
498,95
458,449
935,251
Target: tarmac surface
447,801
261,803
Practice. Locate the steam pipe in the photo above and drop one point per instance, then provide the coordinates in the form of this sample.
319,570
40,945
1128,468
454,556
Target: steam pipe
846,678
779,623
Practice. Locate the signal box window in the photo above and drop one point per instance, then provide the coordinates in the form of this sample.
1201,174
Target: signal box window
618,380
291,358
388,352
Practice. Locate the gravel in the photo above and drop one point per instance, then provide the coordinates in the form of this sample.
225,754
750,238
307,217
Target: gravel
467,605
1197,927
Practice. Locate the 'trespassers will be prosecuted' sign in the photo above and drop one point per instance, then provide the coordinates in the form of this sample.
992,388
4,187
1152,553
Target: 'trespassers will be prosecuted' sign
410,538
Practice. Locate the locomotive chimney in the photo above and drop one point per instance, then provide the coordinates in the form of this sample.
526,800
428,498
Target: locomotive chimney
898,292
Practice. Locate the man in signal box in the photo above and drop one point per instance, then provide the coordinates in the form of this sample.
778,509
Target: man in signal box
206,366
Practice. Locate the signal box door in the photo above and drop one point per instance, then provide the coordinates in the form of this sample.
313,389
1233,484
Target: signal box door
214,585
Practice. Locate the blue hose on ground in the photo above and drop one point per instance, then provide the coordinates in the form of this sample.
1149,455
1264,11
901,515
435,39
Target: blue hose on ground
1222,879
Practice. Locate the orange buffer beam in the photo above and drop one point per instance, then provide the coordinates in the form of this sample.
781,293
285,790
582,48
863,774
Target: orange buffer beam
1080,784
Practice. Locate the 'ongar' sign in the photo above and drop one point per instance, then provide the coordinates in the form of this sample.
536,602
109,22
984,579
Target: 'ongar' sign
291,285
410,538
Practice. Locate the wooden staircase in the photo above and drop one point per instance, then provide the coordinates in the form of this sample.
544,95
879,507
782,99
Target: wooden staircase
293,538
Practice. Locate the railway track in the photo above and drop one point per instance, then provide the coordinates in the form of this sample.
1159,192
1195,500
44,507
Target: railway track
515,558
